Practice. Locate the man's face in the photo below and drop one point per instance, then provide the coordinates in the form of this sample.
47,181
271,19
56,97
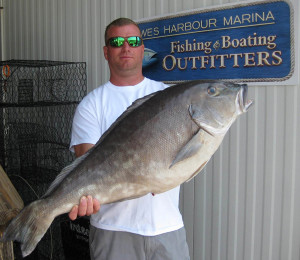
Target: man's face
124,59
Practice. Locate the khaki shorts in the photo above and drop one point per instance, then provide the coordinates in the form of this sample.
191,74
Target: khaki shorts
111,245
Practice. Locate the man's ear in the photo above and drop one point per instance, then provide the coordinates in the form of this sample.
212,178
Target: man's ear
105,49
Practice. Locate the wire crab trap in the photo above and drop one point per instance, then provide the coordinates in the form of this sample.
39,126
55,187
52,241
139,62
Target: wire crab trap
37,103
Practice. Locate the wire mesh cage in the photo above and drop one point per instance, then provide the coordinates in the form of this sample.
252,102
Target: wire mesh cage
37,103
42,81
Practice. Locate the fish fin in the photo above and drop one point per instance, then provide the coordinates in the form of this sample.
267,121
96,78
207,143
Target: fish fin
65,172
28,227
140,101
190,149
197,171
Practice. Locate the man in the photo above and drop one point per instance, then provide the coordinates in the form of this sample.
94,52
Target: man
149,227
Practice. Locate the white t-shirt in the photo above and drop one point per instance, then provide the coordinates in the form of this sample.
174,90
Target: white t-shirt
148,215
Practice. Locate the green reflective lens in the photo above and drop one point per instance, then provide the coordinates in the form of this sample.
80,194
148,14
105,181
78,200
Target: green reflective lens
116,41
133,41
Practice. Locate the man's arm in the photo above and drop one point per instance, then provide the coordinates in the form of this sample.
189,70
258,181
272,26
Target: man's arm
81,149
87,205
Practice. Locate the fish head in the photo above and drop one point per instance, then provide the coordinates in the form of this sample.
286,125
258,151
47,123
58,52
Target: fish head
216,105
150,57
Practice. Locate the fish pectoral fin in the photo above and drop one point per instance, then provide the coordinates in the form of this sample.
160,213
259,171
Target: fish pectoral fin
190,149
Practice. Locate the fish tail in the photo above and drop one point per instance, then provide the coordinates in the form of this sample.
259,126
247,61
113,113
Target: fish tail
29,226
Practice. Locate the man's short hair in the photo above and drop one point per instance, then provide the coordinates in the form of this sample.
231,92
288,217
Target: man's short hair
120,22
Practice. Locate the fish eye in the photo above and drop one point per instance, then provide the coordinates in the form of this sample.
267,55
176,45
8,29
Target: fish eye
212,91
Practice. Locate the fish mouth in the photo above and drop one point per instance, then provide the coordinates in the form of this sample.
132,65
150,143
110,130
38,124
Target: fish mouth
243,102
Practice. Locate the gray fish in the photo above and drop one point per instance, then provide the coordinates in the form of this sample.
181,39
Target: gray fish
161,141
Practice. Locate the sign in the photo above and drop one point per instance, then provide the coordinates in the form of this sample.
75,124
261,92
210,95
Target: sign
244,42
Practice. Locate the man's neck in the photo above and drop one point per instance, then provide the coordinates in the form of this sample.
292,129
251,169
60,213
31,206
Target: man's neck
126,81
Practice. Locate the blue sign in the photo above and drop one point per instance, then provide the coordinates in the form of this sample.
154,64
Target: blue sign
250,42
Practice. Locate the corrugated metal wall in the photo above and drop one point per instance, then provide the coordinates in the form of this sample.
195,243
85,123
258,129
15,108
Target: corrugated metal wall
244,206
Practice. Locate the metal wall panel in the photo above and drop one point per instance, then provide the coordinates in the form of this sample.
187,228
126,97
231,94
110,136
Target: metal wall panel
244,205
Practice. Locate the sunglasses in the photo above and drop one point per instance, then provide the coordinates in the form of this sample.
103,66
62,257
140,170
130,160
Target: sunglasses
133,41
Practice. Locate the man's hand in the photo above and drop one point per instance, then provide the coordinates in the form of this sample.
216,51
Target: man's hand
87,207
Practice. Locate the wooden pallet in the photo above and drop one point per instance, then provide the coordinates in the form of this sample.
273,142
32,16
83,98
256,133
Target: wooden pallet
10,204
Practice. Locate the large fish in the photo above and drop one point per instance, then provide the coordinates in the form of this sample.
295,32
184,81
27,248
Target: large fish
161,141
